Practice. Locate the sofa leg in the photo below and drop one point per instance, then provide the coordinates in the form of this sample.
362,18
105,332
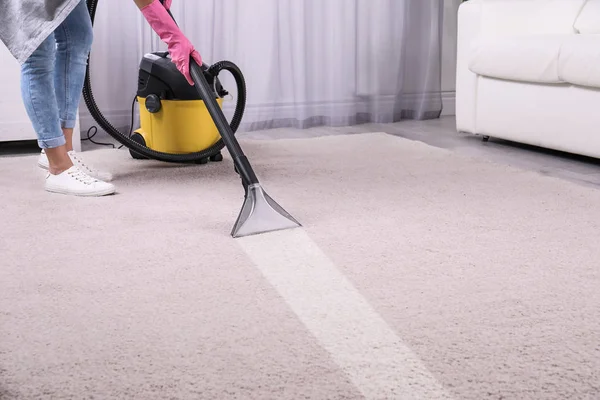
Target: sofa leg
486,138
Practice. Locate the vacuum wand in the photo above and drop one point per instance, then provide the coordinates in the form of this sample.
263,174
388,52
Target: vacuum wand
260,213
240,160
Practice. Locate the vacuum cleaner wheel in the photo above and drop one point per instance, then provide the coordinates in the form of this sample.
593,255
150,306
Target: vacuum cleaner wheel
136,137
217,157
214,158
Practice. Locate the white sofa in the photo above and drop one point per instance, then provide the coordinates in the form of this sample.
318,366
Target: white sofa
528,71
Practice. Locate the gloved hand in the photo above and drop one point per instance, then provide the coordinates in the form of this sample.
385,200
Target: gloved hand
179,46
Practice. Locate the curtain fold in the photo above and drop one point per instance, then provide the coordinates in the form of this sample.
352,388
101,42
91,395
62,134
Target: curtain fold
306,62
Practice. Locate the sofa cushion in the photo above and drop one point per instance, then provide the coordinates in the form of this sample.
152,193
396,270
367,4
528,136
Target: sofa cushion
579,61
532,58
588,20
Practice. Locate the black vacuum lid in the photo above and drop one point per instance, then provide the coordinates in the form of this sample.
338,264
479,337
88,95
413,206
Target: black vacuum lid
159,75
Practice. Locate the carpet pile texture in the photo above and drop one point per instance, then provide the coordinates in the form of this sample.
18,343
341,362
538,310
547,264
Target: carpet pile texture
488,273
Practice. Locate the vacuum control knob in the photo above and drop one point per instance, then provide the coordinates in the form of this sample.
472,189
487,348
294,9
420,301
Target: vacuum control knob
153,103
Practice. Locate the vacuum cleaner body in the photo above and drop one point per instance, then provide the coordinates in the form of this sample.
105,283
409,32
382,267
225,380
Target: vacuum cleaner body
173,117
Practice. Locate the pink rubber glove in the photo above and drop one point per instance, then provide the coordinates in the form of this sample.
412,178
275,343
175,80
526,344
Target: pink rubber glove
179,46
167,4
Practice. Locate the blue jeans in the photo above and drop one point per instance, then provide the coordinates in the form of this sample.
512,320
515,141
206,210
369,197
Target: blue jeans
52,78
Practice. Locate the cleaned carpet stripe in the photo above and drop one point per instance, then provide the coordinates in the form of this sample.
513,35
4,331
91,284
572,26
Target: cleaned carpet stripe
359,340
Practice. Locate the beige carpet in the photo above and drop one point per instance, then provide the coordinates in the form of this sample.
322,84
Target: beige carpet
489,275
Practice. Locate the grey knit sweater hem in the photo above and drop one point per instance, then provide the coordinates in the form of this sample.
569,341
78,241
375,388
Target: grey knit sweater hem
23,38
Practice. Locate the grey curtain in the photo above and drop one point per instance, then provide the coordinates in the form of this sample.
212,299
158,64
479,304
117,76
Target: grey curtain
306,62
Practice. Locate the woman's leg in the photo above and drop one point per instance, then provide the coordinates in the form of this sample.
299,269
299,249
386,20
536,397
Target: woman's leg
74,39
37,90
39,97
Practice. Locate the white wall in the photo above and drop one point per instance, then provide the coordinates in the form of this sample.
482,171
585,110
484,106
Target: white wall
14,123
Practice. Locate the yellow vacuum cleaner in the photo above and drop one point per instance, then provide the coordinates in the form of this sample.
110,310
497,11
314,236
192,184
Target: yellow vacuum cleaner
183,123
173,117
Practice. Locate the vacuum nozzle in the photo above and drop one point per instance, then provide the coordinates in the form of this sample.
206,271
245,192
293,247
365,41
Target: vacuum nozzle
261,214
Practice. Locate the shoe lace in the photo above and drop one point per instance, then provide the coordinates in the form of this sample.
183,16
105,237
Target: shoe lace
82,176
81,164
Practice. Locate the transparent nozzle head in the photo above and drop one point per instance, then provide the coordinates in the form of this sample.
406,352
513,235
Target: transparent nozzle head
261,214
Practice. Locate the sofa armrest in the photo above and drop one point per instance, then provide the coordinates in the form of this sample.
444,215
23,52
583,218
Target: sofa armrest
469,28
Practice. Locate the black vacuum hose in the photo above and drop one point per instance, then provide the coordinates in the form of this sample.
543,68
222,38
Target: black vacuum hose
125,140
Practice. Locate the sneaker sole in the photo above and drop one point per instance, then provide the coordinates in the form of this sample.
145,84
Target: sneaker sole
100,193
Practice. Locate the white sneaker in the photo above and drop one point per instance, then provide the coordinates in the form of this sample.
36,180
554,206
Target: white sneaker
78,162
75,182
